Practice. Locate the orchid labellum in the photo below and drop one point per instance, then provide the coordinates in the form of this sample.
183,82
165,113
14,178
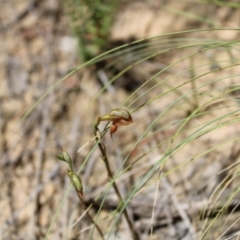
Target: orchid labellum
119,117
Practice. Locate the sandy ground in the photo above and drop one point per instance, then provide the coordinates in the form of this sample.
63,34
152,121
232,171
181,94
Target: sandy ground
37,49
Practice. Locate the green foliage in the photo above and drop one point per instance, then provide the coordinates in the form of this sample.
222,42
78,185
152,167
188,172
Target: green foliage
90,22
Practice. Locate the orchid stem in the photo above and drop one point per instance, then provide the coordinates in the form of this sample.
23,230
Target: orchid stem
102,149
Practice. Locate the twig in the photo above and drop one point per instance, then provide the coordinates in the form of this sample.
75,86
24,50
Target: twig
180,209
39,164
22,15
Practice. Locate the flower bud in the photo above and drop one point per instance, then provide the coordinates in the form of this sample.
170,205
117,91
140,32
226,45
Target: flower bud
65,157
76,181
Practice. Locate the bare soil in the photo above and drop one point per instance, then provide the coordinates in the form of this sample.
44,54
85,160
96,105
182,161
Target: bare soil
36,50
